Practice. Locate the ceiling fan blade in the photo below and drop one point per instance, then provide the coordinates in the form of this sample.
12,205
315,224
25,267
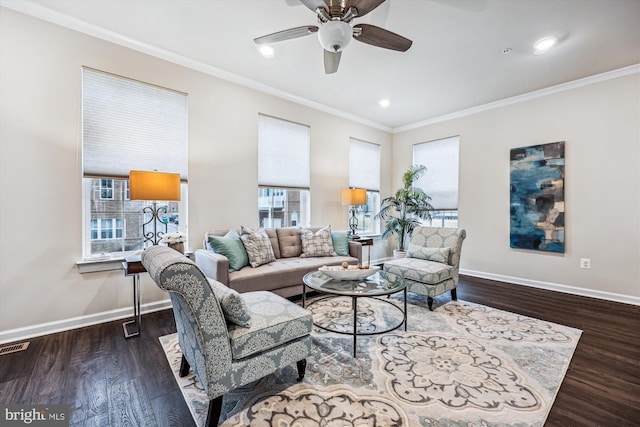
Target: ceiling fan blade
331,61
380,37
363,6
314,4
291,33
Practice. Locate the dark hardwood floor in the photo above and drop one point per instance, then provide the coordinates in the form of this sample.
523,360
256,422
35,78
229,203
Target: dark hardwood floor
111,381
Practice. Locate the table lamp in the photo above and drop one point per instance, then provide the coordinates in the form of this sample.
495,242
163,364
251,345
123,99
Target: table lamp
354,197
154,186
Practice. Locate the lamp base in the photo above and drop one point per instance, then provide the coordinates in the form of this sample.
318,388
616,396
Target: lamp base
154,236
353,224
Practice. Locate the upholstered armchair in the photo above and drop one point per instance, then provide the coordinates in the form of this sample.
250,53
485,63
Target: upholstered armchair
229,339
432,263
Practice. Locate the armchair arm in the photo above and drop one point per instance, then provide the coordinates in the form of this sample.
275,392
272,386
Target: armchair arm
355,250
213,265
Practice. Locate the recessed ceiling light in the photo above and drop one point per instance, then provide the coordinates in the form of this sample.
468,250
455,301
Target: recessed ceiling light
543,45
384,103
267,51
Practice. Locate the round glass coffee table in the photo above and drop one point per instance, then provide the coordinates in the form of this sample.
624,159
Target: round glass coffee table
376,286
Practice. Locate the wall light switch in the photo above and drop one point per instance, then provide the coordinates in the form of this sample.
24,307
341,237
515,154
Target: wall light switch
585,262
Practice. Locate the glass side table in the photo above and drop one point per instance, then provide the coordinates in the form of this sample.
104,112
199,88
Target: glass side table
376,286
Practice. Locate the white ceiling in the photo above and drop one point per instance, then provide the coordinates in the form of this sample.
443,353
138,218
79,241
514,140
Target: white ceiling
455,63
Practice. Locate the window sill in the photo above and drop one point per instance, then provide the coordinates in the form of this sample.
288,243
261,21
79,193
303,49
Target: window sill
92,265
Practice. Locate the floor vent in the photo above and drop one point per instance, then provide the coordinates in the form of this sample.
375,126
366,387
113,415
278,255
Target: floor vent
12,348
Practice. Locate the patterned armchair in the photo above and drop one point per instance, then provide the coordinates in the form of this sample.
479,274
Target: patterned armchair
432,262
228,339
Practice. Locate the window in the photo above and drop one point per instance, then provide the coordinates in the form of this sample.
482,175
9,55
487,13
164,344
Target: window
364,172
128,125
106,189
106,228
441,179
283,173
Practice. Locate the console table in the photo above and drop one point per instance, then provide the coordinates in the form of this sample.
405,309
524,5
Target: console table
132,266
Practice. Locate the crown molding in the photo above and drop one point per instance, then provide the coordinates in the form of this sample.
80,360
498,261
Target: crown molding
45,14
597,78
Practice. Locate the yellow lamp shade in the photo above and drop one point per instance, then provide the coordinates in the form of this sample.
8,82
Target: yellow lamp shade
354,196
154,186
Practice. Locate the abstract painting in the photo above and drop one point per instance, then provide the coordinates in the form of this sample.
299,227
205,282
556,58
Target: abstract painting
537,197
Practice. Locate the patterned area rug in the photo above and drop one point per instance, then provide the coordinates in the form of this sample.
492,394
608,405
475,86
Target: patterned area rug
463,364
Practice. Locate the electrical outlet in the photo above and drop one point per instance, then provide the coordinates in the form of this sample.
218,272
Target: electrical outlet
585,263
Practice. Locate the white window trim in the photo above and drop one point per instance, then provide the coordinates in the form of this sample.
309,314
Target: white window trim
111,130
365,179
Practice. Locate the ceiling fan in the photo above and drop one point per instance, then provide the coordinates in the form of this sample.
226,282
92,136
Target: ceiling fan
335,29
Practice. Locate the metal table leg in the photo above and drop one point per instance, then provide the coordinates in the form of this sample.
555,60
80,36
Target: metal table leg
136,310
304,295
355,324
405,309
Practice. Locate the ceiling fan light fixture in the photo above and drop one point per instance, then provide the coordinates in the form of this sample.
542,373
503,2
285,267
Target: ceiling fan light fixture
334,36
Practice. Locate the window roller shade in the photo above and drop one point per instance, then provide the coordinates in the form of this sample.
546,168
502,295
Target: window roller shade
364,165
129,125
284,156
441,157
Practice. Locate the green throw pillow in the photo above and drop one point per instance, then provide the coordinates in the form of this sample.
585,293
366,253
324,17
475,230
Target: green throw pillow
340,242
230,246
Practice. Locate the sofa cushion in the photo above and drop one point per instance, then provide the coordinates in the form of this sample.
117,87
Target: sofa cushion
340,242
317,243
275,321
233,306
258,246
273,238
282,273
430,254
230,246
289,241
420,270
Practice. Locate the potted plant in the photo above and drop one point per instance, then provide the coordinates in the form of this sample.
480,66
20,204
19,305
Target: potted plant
405,209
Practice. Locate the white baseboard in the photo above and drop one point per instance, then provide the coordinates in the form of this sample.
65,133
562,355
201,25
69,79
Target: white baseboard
123,313
26,332
574,290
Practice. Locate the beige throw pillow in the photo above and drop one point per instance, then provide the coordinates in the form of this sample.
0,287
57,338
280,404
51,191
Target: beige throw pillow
430,254
257,245
318,243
